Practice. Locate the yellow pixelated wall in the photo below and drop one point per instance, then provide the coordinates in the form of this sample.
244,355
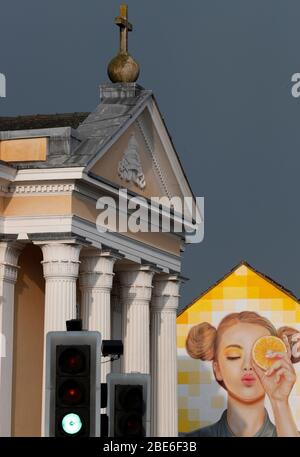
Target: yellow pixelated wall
200,398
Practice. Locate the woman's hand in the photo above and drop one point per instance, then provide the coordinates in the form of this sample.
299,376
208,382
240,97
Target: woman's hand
278,380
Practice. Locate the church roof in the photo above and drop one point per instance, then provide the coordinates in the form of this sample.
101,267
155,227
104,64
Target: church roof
76,138
110,116
41,121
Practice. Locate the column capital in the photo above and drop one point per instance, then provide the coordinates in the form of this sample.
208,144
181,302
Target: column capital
10,251
135,274
9,254
136,282
60,259
165,295
96,268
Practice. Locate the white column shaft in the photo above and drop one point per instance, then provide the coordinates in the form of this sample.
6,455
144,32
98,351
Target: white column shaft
164,357
135,330
95,307
61,266
8,277
116,321
60,303
96,278
136,287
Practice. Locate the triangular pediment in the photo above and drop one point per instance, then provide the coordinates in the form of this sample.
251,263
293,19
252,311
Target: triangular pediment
143,160
129,164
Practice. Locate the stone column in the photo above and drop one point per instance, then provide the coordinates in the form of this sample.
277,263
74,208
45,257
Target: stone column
9,253
96,278
116,320
164,303
135,289
61,266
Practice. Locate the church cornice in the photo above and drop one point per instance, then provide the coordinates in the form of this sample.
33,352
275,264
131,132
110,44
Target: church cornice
38,228
49,174
32,189
152,153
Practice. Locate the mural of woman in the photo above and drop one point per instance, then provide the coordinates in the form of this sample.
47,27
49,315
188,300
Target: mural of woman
229,347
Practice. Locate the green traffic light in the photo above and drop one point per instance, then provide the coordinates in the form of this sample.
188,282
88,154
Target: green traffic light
71,424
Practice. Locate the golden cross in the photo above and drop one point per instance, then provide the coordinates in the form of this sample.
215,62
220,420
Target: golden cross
125,27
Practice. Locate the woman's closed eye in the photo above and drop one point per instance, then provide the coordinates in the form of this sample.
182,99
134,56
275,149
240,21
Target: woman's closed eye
233,353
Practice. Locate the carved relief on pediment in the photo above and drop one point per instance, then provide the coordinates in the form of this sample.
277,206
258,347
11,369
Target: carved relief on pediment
130,167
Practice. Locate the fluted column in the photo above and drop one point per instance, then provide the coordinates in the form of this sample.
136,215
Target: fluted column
9,253
164,303
61,267
96,278
116,320
135,289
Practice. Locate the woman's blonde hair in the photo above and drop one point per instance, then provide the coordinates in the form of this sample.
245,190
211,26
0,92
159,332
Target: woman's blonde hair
203,339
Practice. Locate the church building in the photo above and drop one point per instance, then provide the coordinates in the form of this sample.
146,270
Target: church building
57,264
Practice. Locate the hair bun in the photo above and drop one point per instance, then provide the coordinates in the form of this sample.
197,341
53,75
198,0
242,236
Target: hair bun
200,343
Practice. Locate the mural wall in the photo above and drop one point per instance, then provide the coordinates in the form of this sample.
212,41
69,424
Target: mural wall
202,400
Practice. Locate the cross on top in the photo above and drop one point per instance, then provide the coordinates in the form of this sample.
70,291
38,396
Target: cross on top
125,27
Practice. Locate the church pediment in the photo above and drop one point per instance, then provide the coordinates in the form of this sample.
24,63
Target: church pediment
138,161
129,165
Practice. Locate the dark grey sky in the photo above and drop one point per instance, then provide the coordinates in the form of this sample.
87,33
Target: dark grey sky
220,70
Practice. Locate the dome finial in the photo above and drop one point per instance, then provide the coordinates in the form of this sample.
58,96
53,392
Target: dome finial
123,68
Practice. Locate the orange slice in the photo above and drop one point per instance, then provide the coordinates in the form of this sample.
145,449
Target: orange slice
264,345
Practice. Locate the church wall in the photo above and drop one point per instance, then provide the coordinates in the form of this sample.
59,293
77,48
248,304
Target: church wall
84,207
37,205
28,344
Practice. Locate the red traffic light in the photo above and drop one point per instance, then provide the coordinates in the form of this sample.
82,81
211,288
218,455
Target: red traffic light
131,425
72,361
71,392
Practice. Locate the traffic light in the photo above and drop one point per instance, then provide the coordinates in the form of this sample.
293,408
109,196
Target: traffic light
72,400
128,404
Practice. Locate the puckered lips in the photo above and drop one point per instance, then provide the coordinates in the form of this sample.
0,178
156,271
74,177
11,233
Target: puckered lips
248,379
